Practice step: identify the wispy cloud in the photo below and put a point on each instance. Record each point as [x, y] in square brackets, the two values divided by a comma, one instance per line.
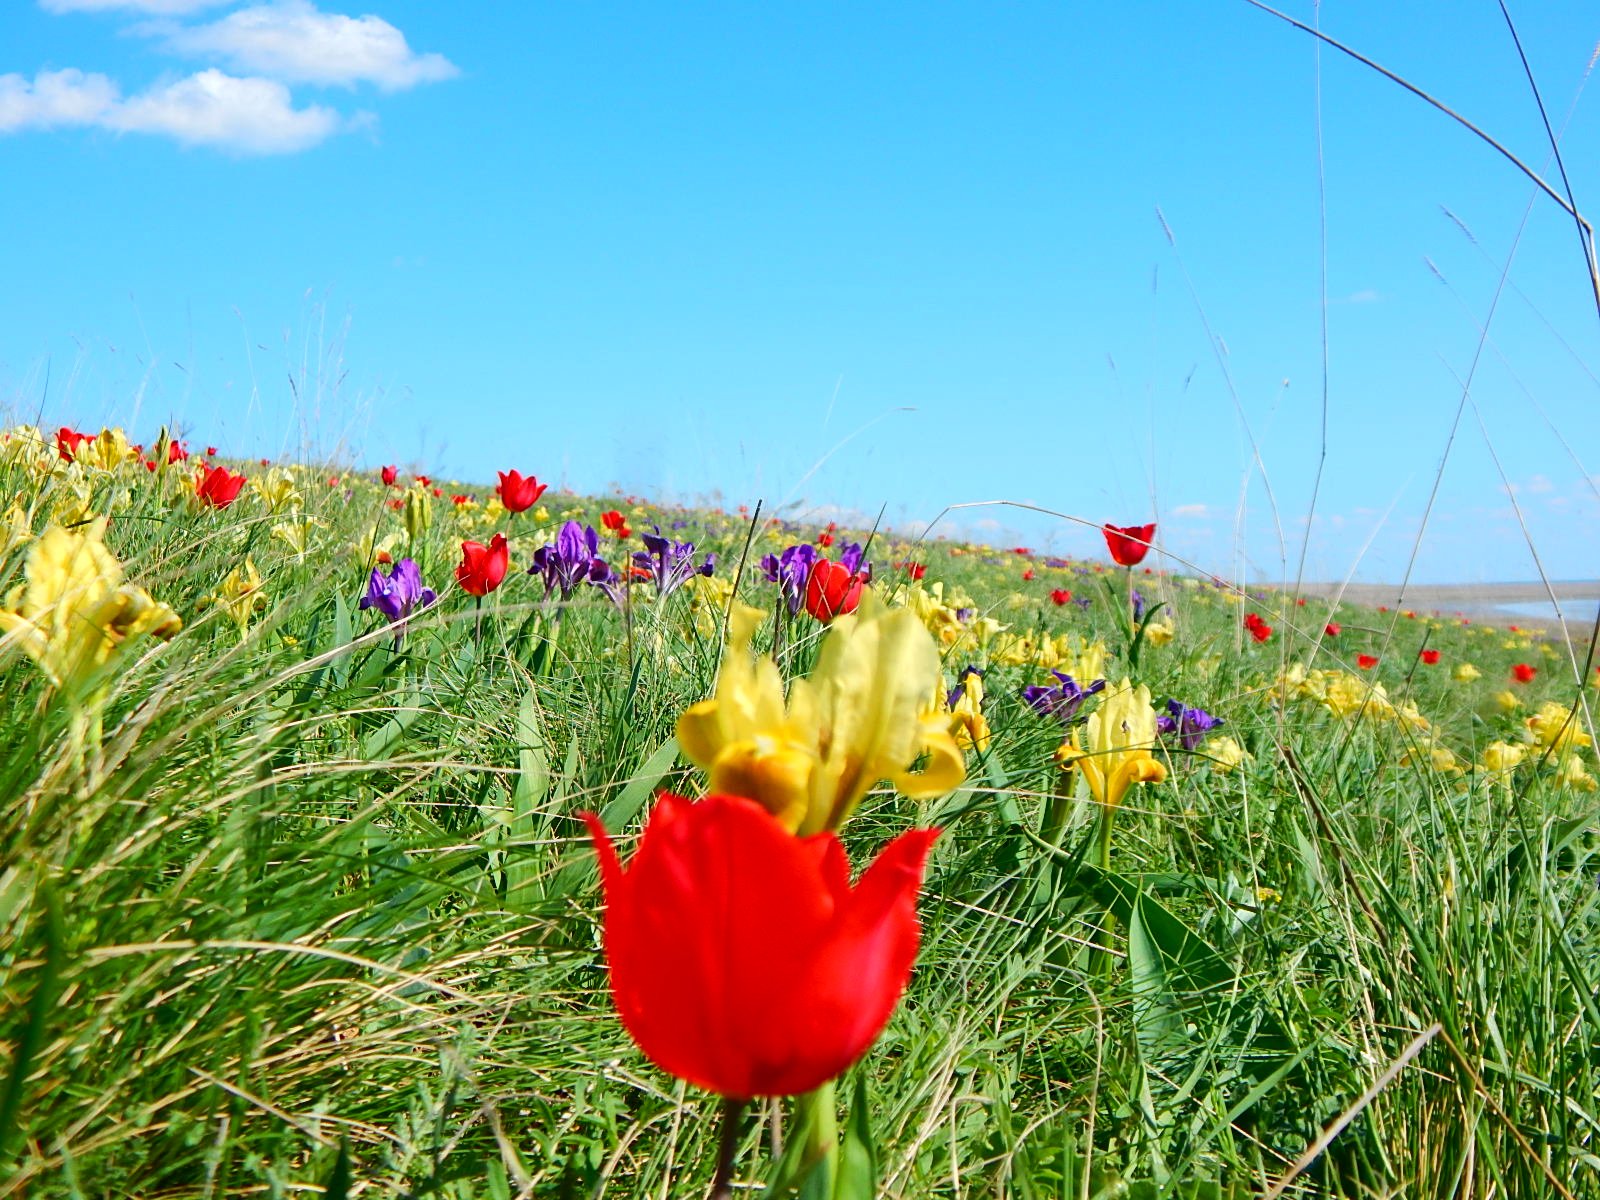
[293, 41]
[1191, 510]
[1364, 296]
[247, 116]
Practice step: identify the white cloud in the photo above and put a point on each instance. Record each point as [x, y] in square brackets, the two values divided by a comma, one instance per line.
[246, 116]
[292, 40]
[1540, 484]
[252, 116]
[1191, 510]
[160, 8]
[54, 98]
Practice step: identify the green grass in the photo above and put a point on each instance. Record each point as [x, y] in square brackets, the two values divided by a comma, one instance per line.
[311, 891]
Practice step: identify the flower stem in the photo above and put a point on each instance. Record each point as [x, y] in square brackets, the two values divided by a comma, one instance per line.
[727, 1147]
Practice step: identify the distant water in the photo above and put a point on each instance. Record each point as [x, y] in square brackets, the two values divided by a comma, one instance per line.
[1577, 612]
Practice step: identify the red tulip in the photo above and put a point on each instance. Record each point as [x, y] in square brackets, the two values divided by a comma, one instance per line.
[1366, 661]
[1129, 544]
[741, 959]
[211, 451]
[217, 487]
[824, 539]
[1060, 596]
[389, 475]
[519, 492]
[831, 590]
[1331, 629]
[68, 441]
[1523, 673]
[616, 523]
[424, 480]
[176, 452]
[1258, 628]
[1430, 657]
[1027, 576]
[483, 567]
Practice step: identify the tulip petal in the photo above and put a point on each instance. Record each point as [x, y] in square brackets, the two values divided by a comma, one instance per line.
[851, 986]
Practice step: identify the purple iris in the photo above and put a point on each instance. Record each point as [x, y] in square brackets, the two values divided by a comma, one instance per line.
[1189, 724]
[789, 571]
[399, 593]
[573, 560]
[1138, 605]
[670, 564]
[1061, 701]
[850, 556]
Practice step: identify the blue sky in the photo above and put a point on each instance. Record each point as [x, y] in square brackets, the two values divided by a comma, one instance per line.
[832, 257]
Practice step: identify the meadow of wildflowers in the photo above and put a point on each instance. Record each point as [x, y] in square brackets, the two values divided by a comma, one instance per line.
[369, 834]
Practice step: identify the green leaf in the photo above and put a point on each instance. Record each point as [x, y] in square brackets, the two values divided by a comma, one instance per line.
[27, 1039]
[641, 787]
[858, 1158]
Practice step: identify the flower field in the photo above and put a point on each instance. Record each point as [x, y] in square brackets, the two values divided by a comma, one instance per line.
[369, 834]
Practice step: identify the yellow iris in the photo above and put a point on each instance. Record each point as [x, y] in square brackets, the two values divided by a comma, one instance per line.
[866, 713]
[74, 615]
[1115, 752]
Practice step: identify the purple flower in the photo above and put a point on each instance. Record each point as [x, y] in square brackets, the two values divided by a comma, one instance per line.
[850, 559]
[670, 564]
[1061, 701]
[398, 594]
[573, 560]
[1082, 602]
[789, 571]
[1138, 604]
[1189, 724]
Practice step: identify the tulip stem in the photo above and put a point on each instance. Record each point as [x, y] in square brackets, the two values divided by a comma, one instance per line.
[727, 1147]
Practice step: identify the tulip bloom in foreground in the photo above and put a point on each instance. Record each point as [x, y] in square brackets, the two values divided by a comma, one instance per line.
[1129, 543]
[741, 958]
[483, 567]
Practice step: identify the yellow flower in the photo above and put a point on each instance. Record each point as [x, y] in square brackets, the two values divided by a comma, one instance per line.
[277, 490]
[1159, 633]
[15, 529]
[1465, 673]
[968, 725]
[1556, 727]
[1440, 758]
[1116, 752]
[107, 452]
[1572, 773]
[866, 713]
[1507, 701]
[241, 594]
[1499, 757]
[75, 614]
[708, 600]
[296, 533]
[1225, 753]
